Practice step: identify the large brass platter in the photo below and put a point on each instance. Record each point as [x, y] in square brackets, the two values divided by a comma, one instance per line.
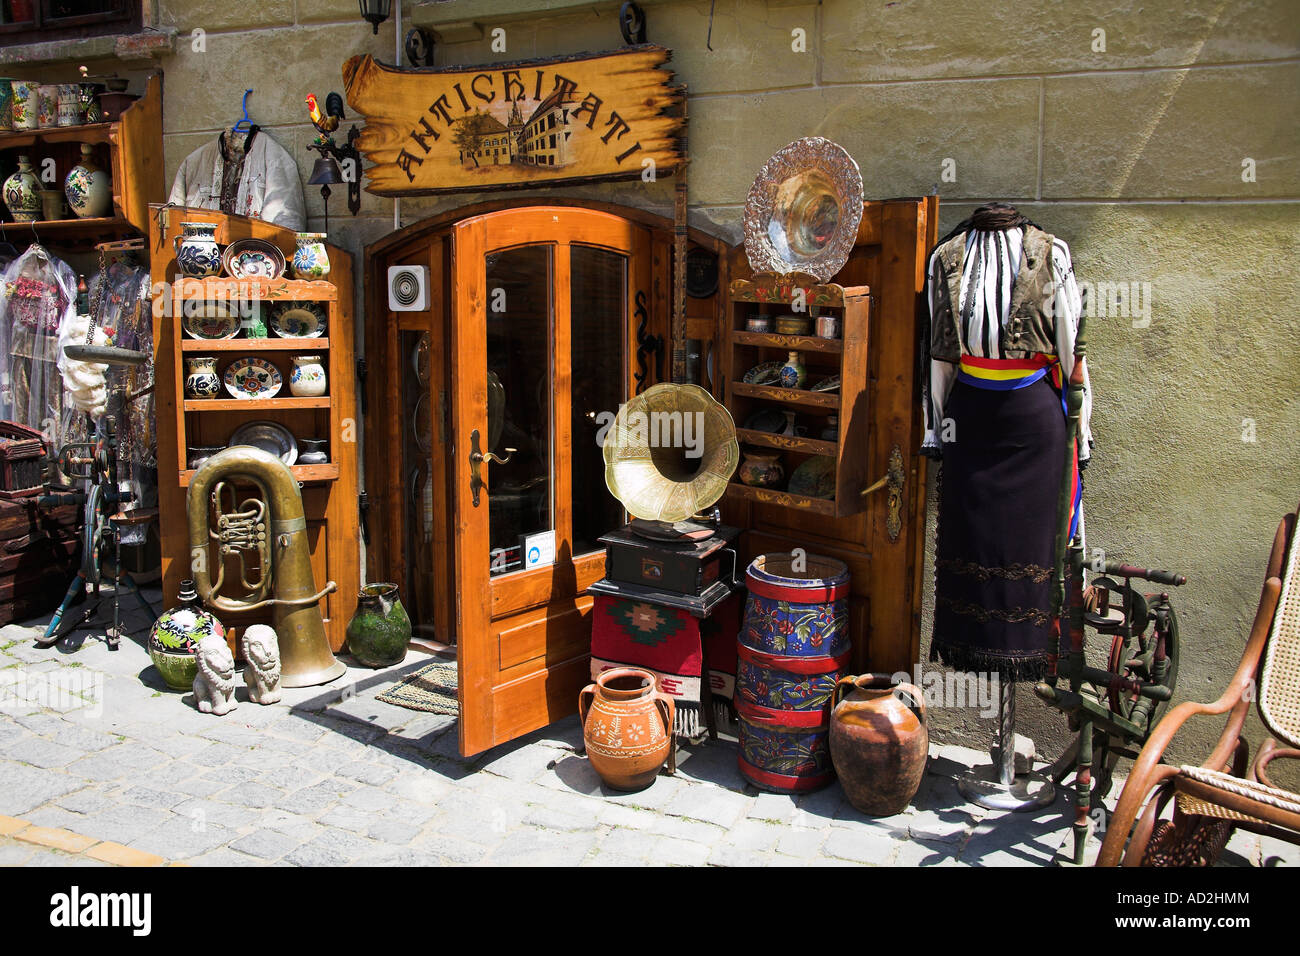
[803, 210]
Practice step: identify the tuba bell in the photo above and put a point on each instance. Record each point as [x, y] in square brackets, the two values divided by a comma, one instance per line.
[274, 527]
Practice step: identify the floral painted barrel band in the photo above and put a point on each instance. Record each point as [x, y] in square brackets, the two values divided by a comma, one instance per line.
[794, 665]
[787, 760]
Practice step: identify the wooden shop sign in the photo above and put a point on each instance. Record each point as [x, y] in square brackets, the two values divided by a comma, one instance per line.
[510, 125]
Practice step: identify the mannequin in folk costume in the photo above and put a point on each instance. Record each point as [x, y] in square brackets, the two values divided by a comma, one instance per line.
[1004, 310]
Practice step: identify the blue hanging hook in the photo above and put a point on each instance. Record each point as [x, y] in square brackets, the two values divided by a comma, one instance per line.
[244, 123]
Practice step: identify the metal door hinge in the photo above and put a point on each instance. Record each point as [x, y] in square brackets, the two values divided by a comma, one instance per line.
[363, 509]
[361, 383]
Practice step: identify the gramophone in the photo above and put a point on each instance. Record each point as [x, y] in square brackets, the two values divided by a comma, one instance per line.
[668, 457]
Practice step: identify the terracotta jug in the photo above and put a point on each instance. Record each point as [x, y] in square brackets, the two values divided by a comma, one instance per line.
[879, 742]
[627, 726]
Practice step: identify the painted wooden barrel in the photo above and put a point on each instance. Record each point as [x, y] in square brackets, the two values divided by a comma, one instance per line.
[792, 649]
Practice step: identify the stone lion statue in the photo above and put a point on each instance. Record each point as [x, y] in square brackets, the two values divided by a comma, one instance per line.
[214, 684]
[261, 650]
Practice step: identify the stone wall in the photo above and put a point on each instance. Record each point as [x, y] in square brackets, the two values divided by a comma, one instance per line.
[1163, 149]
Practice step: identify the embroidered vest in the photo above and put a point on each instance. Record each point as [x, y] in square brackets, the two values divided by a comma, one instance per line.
[1030, 327]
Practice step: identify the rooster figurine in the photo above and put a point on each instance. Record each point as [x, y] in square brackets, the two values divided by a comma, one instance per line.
[328, 121]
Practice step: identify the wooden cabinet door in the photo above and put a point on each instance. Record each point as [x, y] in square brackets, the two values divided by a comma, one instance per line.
[542, 317]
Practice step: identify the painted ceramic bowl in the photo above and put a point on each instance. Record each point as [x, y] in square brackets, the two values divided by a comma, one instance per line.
[298, 320]
[253, 259]
[253, 378]
[210, 320]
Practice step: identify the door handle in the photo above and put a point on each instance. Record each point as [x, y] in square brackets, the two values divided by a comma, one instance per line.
[477, 457]
[894, 479]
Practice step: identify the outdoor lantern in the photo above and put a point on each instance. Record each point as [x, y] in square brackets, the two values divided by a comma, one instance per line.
[375, 12]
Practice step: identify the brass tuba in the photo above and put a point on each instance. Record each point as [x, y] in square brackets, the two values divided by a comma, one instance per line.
[280, 541]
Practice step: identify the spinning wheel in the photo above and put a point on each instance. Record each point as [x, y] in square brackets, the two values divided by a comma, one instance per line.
[1144, 650]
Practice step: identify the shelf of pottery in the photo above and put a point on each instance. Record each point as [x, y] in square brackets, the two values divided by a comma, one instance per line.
[79, 161]
[796, 384]
[255, 351]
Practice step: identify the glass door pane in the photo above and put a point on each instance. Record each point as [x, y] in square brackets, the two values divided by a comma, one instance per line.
[598, 285]
[520, 319]
[419, 419]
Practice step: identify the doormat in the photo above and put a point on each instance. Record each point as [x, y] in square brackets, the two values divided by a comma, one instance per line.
[432, 688]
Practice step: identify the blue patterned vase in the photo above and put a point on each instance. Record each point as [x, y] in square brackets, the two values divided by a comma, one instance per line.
[197, 252]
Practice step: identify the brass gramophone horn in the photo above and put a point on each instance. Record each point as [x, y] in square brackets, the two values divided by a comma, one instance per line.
[274, 527]
[670, 452]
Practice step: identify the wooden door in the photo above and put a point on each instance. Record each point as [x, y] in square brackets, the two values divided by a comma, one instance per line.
[542, 317]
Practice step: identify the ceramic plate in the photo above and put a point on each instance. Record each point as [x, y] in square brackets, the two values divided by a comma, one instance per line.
[252, 378]
[215, 320]
[768, 373]
[765, 420]
[830, 383]
[253, 259]
[270, 437]
[803, 210]
[814, 478]
[298, 320]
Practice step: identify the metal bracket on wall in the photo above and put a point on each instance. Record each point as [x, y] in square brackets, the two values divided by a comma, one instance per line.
[894, 479]
[419, 47]
[631, 23]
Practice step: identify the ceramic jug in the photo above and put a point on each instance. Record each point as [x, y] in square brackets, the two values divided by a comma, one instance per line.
[627, 726]
[87, 187]
[23, 193]
[25, 109]
[880, 740]
[310, 260]
[793, 373]
[307, 380]
[311, 451]
[201, 379]
[176, 635]
[379, 631]
[761, 468]
[6, 103]
[197, 252]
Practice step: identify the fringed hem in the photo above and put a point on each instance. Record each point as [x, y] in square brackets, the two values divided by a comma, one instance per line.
[1015, 669]
[686, 718]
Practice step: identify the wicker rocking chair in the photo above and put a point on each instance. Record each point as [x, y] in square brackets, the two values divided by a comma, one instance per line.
[1226, 791]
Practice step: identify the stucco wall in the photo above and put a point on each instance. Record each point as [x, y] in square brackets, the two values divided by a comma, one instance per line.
[1133, 153]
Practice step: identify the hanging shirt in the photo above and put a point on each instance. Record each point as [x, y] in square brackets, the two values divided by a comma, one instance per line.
[990, 268]
[269, 187]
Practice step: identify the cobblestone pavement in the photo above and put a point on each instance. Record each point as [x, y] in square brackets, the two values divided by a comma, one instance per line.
[102, 764]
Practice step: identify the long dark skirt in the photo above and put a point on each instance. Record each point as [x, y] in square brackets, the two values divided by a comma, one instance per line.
[997, 530]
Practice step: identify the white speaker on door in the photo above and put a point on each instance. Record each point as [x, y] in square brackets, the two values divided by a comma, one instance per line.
[408, 288]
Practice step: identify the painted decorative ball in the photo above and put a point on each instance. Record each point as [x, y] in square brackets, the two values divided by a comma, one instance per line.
[175, 636]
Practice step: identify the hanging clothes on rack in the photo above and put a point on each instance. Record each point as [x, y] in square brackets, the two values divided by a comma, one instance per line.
[38, 293]
[244, 173]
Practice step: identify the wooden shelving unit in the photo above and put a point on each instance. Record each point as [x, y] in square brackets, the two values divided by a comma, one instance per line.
[845, 357]
[329, 490]
[129, 148]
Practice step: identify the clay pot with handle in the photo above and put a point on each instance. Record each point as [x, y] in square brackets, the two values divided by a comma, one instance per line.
[627, 727]
[879, 742]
